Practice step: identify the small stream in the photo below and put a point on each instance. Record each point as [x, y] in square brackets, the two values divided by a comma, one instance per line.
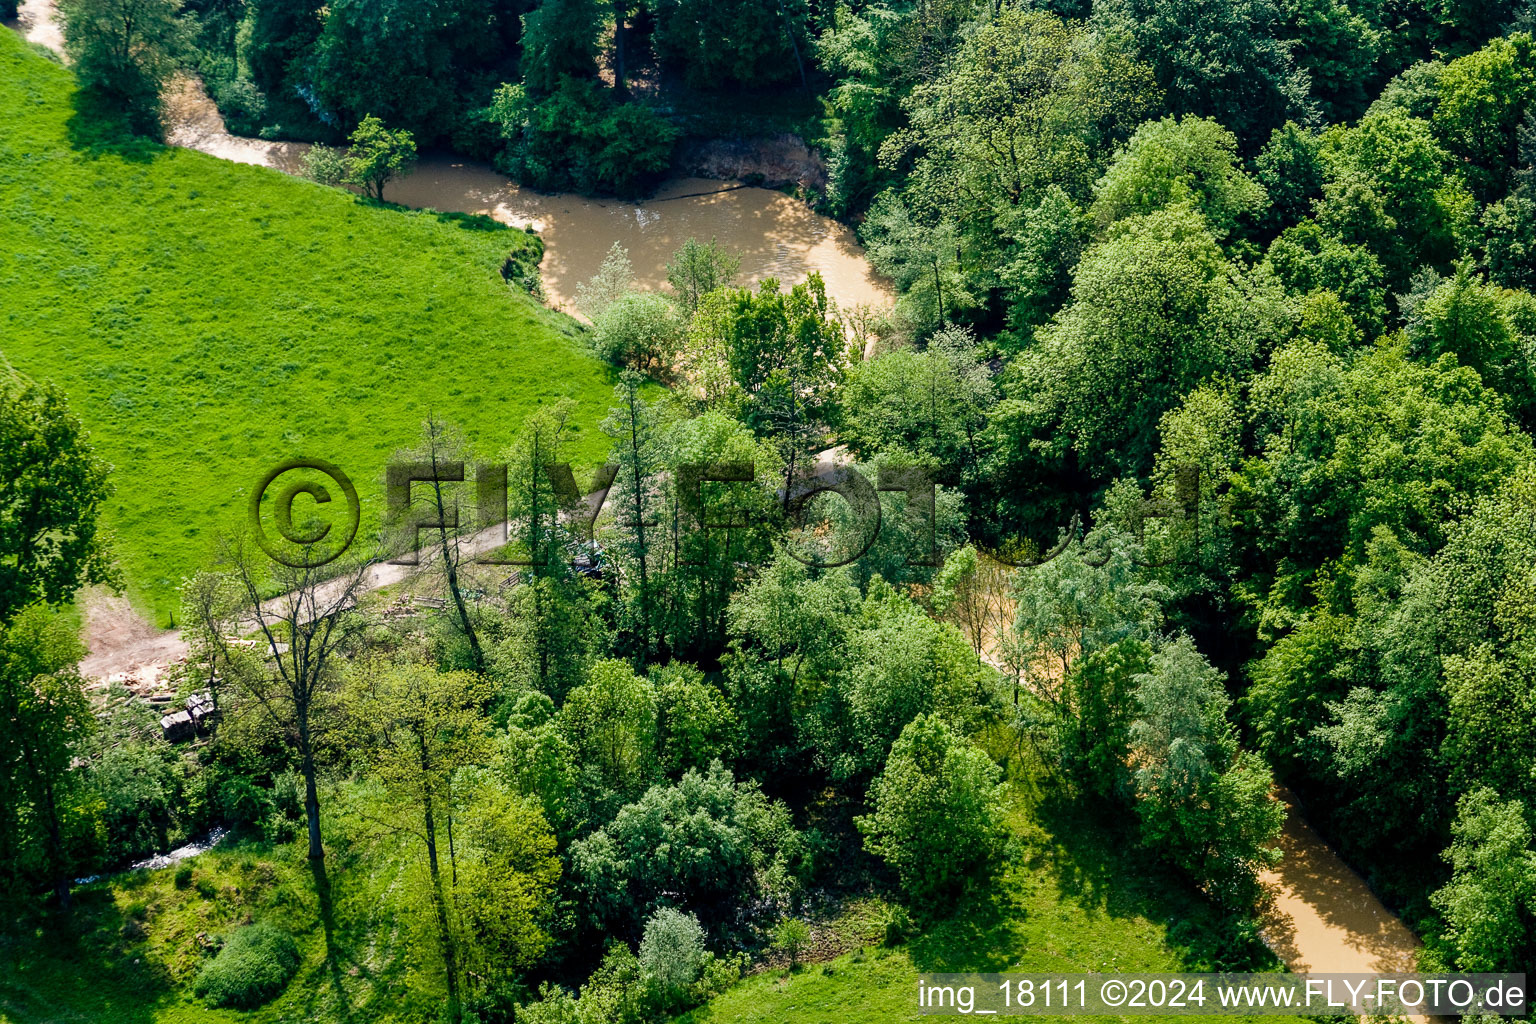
[165, 860]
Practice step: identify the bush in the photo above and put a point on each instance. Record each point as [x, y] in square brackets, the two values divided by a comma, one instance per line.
[243, 105]
[725, 844]
[183, 876]
[672, 952]
[898, 925]
[256, 963]
[790, 936]
[641, 331]
[325, 164]
[936, 812]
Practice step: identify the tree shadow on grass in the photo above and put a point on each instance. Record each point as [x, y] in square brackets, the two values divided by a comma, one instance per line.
[1098, 863]
[82, 963]
[99, 128]
[340, 962]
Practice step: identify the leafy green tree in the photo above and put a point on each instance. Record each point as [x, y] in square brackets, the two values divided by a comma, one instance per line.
[537, 761]
[52, 487]
[378, 155]
[1336, 45]
[1024, 101]
[973, 592]
[1490, 329]
[408, 65]
[1479, 582]
[1179, 162]
[695, 725]
[672, 953]
[278, 33]
[1509, 240]
[1490, 902]
[1156, 309]
[1307, 259]
[1290, 168]
[1483, 97]
[699, 268]
[434, 501]
[936, 813]
[1089, 602]
[303, 633]
[417, 727]
[43, 715]
[1203, 803]
[123, 51]
[875, 55]
[1048, 240]
[710, 527]
[725, 842]
[507, 871]
[578, 136]
[785, 351]
[1388, 189]
[932, 403]
[543, 540]
[610, 722]
[921, 259]
[1226, 59]
[900, 664]
[752, 43]
[1344, 448]
[559, 41]
[789, 634]
[639, 331]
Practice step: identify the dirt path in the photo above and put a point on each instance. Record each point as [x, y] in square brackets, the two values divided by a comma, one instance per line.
[1324, 917]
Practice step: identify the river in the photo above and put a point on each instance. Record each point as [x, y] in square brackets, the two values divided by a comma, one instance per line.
[1323, 917]
[775, 235]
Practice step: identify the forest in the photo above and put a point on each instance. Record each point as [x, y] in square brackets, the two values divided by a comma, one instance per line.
[1198, 433]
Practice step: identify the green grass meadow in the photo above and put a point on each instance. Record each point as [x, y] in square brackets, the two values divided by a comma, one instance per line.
[209, 319]
[1075, 897]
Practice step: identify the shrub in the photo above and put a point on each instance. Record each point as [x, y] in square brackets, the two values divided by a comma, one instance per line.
[898, 925]
[256, 963]
[672, 952]
[325, 164]
[725, 844]
[790, 936]
[642, 331]
[183, 876]
[936, 811]
[242, 104]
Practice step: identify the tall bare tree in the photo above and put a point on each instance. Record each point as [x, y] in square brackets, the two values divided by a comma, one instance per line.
[303, 630]
[431, 504]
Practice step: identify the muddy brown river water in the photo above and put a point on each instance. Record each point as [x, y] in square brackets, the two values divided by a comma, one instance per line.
[1322, 917]
[774, 234]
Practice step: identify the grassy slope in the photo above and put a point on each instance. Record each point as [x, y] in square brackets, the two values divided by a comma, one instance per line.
[129, 950]
[209, 319]
[1076, 900]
